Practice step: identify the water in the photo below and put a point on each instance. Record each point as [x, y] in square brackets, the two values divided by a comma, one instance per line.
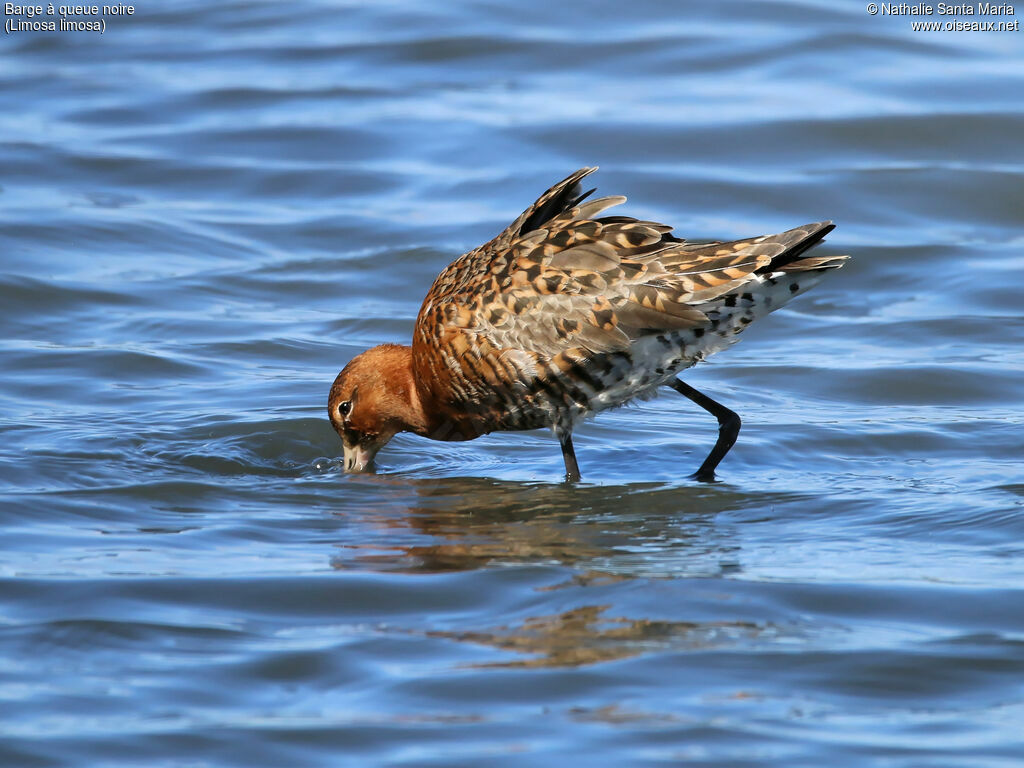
[207, 210]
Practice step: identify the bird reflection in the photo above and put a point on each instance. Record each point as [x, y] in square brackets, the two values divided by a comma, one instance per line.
[459, 524]
[585, 635]
[603, 536]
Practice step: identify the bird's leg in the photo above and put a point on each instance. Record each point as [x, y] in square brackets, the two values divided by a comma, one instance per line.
[728, 428]
[572, 469]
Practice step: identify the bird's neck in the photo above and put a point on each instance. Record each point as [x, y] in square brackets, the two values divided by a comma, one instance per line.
[407, 401]
[404, 401]
[412, 401]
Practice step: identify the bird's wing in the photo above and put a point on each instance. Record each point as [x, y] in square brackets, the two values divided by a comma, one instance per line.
[562, 278]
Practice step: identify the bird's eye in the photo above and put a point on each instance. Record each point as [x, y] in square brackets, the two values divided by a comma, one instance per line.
[344, 408]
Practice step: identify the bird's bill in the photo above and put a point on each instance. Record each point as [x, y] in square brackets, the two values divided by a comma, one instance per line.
[358, 458]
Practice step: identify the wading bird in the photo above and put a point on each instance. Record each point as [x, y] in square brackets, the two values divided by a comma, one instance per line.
[564, 314]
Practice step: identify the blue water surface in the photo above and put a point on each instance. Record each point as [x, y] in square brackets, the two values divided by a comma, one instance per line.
[208, 209]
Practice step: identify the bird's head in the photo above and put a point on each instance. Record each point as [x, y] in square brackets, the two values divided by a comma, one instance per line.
[373, 399]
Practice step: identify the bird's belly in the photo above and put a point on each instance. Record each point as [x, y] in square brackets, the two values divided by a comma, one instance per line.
[656, 359]
[653, 361]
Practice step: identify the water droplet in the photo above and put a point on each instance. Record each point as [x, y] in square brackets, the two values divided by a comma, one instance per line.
[322, 464]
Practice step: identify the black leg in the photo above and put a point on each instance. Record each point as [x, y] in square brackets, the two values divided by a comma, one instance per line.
[728, 428]
[572, 469]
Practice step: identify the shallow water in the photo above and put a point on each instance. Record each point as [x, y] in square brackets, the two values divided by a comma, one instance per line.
[205, 212]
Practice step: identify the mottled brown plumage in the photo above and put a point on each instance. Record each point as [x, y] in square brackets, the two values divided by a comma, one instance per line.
[563, 314]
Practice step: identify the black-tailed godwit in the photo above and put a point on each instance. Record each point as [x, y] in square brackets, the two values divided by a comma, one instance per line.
[564, 314]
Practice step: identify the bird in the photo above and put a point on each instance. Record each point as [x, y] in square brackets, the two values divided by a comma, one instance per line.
[566, 313]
